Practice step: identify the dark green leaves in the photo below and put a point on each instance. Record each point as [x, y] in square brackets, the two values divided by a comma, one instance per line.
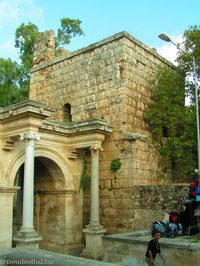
[24, 40]
[172, 123]
[12, 82]
[14, 77]
[69, 28]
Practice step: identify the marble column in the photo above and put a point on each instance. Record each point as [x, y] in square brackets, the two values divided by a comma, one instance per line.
[94, 187]
[94, 230]
[27, 236]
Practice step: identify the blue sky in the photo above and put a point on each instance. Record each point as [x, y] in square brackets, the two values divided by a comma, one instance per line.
[144, 19]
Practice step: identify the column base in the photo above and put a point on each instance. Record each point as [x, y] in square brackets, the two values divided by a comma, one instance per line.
[93, 235]
[27, 238]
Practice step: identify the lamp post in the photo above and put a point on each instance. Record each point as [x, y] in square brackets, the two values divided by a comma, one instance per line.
[163, 36]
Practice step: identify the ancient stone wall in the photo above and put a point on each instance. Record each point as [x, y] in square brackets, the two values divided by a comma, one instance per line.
[111, 80]
[130, 248]
[45, 51]
[130, 208]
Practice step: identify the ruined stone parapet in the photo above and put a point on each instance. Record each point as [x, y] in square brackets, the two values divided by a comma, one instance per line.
[44, 47]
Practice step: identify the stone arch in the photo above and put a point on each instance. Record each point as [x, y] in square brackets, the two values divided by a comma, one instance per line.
[60, 161]
[67, 114]
[53, 198]
[47, 175]
[41, 152]
[67, 104]
[14, 167]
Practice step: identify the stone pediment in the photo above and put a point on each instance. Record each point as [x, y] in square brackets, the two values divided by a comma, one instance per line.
[24, 109]
[20, 117]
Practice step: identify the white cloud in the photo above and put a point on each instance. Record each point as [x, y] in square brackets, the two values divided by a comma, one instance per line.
[169, 50]
[12, 14]
[18, 11]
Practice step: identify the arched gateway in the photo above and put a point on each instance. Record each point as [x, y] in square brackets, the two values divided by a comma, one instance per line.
[44, 168]
[54, 197]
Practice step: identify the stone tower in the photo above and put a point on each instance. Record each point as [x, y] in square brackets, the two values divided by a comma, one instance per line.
[85, 106]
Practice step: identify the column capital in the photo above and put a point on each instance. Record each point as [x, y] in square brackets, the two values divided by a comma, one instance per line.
[96, 147]
[30, 136]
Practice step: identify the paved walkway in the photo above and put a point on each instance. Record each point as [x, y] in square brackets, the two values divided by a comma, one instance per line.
[30, 257]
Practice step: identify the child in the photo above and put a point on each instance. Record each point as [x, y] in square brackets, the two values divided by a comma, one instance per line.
[152, 250]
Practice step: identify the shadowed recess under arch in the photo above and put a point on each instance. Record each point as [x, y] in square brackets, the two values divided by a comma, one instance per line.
[48, 175]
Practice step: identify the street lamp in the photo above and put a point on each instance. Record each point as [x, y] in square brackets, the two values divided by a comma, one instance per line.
[163, 36]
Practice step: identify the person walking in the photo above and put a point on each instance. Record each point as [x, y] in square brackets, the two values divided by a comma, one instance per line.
[153, 249]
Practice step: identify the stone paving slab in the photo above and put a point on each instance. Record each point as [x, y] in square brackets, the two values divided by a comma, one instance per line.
[30, 257]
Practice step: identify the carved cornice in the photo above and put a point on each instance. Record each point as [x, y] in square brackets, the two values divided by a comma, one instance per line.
[77, 128]
[27, 108]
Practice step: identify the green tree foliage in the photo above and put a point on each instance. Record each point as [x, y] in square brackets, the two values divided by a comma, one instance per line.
[69, 28]
[24, 40]
[12, 80]
[190, 44]
[166, 116]
[172, 123]
[26, 34]
[14, 77]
